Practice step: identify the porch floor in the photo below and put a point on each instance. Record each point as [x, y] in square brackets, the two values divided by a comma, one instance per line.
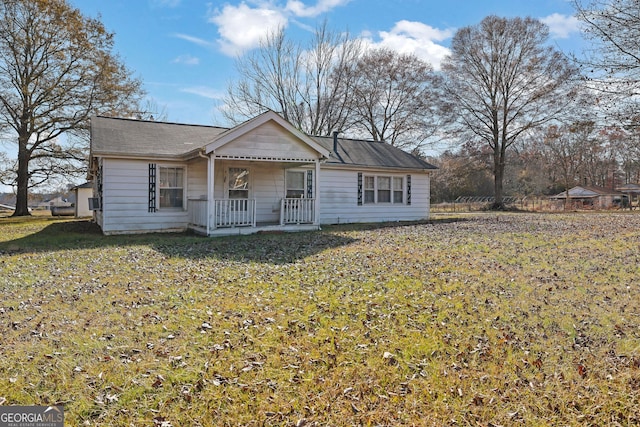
[261, 227]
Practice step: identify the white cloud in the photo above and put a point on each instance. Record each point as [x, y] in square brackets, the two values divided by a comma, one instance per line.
[204, 91]
[186, 60]
[416, 38]
[301, 10]
[242, 27]
[561, 26]
[195, 40]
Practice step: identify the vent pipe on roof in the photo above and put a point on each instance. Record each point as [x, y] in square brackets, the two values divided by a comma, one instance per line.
[335, 141]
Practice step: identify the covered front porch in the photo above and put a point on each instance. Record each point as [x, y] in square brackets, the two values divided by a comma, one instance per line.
[261, 176]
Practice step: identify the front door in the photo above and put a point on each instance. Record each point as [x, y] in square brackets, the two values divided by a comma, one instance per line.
[238, 188]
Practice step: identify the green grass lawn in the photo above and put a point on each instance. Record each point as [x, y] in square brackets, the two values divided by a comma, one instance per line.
[476, 320]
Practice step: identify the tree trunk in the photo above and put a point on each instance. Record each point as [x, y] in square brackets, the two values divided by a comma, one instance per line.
[22, 204]
[497, 187]
[498, 175]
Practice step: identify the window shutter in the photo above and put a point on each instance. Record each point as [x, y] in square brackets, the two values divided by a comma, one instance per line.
[309, 184]
[408, 189]
[152, 187]
[359, 188]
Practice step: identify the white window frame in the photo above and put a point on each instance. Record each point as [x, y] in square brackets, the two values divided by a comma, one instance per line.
[367, 179]
[159, 187]
[402, 190]
[393, 179]
[287, 183]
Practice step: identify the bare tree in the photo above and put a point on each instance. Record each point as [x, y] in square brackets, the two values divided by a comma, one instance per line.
[612, 61]
[268, 80]
[566, 150]
[306, 85]
[503, 80]
[394, 98]
[460, 173]
[56, 70]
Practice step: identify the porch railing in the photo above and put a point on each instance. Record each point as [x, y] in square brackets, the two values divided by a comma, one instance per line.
[234, 213]
[297, 211]
[197, 212]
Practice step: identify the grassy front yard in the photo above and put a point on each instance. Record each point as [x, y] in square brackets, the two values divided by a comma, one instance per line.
[487, 320]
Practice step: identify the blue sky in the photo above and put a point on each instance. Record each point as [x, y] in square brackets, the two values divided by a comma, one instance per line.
[184, 50]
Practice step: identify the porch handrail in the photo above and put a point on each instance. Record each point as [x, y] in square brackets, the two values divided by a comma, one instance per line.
[234, 213]
[297, 211]
[197, 212]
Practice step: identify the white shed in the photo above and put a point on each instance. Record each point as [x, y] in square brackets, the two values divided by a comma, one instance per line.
[83, 193]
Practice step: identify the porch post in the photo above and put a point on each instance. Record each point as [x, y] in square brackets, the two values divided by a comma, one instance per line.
[316, 215]
[210, 185]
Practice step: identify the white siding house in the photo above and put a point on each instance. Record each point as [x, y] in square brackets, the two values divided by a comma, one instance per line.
[261, 175]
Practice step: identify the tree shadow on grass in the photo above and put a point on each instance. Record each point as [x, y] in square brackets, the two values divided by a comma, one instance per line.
[264, 248]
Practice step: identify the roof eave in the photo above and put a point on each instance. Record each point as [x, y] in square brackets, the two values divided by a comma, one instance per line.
[374, 167]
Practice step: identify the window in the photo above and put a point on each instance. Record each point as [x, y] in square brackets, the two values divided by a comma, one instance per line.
[171, 187]
[398, 193]
[238, 183]
[295, 184]
[384, 189]
[369, 189]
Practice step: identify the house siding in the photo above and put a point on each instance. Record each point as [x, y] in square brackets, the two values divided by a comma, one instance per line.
[126, 191]
[339, 198]
[197, 179]
[268, 140]
[125, 200]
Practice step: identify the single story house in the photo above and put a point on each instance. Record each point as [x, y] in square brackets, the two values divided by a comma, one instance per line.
[592, 197]
[262, 175]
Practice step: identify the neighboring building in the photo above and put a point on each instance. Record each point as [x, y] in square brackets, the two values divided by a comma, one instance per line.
[83, 193]
[632, 191]
[591, 197]
[262, 175]
[54, 202]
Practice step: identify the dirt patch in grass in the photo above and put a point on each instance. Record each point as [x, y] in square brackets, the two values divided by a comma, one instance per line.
[497, 319]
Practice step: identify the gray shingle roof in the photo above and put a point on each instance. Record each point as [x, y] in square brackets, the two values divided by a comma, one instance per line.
[128, 137]
[585, 192]
[364, 153]
[139, 138]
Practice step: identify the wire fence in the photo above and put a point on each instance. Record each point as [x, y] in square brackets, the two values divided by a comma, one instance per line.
[481, 203]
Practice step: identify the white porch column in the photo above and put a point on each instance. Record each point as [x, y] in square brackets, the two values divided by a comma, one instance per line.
[210, 185]
[316, 219]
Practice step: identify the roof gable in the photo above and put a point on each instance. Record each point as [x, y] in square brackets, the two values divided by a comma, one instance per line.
[266, 136]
